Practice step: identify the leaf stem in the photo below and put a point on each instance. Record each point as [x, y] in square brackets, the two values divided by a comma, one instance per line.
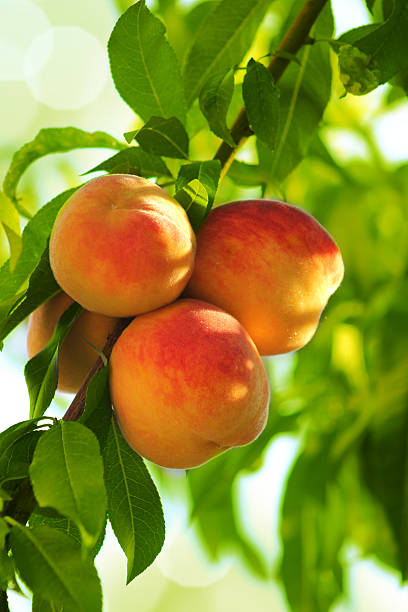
[77, 405]
[296, 37]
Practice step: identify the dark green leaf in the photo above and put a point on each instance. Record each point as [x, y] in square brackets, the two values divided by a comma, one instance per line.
[304, 94]
[51, 565]
[6, 564]
[98, 412]
[215, 98]
[144, 67]
[165, 137]
[52, 140]
[14, 463]
[221, 42]
[34, 242]
[196, 201]
[41, 372]
[10, 222]
[261, 97]
[384, 458]
[67, 474]
[42, 286]
[134, 160]
[134, 506]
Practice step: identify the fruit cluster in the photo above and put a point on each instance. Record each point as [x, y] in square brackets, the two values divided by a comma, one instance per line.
[186, 377]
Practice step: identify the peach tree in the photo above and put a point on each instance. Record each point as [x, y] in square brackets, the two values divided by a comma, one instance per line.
[61, 480]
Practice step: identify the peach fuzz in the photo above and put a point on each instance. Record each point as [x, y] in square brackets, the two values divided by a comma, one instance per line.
[76, 356]
[121, 246]
[271, 265]
[186, 384]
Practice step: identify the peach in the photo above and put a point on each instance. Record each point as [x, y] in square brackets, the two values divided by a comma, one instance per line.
[187, 383]
[271, 265]
[121, 246]
[76, 356]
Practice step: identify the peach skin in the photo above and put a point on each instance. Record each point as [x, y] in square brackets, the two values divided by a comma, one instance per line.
[187, 383]
[271, 265]
[76, 356]
[121, 246]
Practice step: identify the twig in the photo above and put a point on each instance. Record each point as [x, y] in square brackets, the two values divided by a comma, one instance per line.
[296, 37]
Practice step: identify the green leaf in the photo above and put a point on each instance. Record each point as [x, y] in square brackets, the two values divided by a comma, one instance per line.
[134, 507]
[375, 54]
[144, 67]
[11, 224]
[17, 444]
[215, 98]
[51, 565]
[41, 372]
[67, 474]
[248, 175]
[221, 42]
[134, 160]
[165, 137]
[41, 287]
[6, 564]
[261, 97]
[52, 140]
[15, 463]
[312, 531]
[48, 517]
[304, 94]
[384, 460]
[196, 187]
[34, 242]
[42, 605]
[97, 411]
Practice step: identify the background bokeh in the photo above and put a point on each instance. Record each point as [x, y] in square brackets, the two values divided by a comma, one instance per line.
[54, 72]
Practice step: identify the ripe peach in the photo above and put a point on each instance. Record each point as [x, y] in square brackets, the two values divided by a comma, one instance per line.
[76, 356]
[121, 246]
[271, 265]
[187, 383]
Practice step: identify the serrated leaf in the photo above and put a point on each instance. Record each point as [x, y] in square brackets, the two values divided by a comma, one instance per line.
[304, 94]
[134, 506]
[52, 140]
[134, 160]
[196, 186]
[41, 372]
[143, 65]
[34, 242]
[165, 137]
[215, 98]
[11, 224]
[97, 411]
[384, 463]
[51, 565]
[67, 474]
[221, 42]
[41, 287]
[261, 97]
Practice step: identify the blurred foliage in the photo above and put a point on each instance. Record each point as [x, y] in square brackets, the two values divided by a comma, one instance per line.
[346, 394]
